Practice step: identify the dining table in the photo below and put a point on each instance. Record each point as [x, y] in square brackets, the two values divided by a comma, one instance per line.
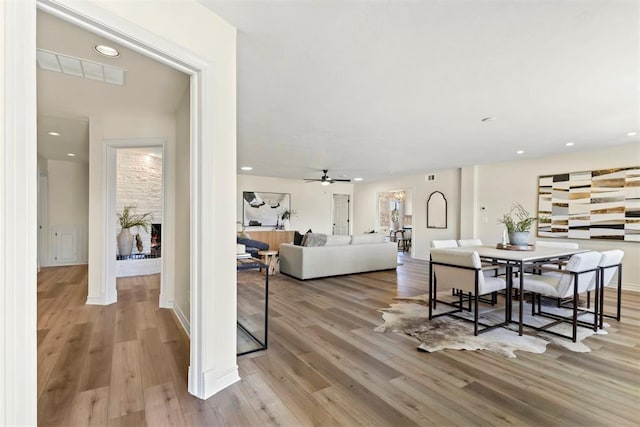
[515, 259]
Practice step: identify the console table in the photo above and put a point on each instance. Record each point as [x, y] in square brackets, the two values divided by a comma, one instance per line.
[244, 264]
[272, 237]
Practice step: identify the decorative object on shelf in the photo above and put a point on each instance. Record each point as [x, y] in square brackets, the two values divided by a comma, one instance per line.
[600, 204]
[436, 210]
[286, 218]
[518, 222]
[127, 220]
[139, 244]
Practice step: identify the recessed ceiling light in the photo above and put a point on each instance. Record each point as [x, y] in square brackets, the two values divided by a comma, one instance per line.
[53, 133]
[357, 179]
[632, 133]
[71, 155]
[489, 119]
[106, 51]
[570, 144]
[520, 152]
[246, 168]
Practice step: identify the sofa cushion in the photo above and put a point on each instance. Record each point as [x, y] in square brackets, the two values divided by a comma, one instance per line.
[314, 239]
[338, 240]
[363, 239]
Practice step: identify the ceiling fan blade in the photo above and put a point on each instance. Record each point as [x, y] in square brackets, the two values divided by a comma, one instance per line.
[341, 180]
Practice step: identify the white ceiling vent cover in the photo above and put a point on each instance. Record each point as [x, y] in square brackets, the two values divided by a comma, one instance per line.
[78, 67]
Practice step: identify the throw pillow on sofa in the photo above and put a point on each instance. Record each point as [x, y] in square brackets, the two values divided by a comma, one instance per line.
[315, 239]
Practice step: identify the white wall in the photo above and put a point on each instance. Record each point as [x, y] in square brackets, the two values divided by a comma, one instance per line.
[501, 184]
[182, 212]
[312, 201]
[69, 201]
[447, 182]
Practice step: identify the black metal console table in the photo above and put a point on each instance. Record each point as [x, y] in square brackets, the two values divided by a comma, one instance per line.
[243, 264]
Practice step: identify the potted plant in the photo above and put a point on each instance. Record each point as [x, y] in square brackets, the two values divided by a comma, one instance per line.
[128, 218]
[518, 222]
[286, 216]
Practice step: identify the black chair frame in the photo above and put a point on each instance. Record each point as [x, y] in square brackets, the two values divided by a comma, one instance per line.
[459, 304]
[573, 320]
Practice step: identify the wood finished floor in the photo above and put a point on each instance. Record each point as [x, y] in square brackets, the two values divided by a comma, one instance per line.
[126, 364]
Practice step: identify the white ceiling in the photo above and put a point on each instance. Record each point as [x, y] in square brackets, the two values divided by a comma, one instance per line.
[66, 102]
[368, 88]
[365, 88]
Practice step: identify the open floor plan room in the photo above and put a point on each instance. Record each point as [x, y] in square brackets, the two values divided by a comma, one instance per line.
[126, 364]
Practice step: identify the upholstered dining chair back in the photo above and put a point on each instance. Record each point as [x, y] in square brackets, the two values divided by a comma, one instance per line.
[585, 263]
[469, 242]
[444, 244]
[609, 258]
[460, 271]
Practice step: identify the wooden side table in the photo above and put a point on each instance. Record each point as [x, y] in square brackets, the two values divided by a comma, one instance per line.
[270, 258]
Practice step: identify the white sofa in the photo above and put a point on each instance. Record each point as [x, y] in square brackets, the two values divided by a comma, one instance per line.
[340, 255]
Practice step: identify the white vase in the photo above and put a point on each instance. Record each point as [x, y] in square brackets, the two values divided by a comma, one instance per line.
[125, 242]
[286, 224]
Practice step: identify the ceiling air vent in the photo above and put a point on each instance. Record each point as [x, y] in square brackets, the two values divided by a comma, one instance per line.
[78, 67]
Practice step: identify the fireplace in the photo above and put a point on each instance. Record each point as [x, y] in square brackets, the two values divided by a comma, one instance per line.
[156, 240]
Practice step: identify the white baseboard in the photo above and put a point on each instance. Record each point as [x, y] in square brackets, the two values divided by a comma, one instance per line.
[100, 301]
[165, 302]
[186, 325]
[216, 381]
[631, 287]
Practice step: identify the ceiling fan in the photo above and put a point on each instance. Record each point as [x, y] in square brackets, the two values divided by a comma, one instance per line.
[326, 179]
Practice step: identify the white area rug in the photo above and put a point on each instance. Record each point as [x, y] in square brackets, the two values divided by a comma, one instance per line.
[411, 317]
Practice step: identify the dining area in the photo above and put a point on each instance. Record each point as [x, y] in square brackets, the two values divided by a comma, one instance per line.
[535, 287]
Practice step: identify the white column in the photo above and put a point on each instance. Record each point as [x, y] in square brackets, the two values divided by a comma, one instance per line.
[18, 214]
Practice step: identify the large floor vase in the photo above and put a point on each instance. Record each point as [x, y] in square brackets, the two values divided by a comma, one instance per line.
[125, 242]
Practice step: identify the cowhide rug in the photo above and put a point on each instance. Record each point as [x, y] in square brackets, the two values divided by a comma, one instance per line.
[410, 316]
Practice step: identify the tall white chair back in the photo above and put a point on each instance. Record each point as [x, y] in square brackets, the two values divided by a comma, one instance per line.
[609, 258]
[579, 263]
[461, 271]
[469, 242]
[444, 244]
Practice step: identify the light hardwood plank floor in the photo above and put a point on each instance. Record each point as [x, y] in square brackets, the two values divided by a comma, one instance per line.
[126, 364]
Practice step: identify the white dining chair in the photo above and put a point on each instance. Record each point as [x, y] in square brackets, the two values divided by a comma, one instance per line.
[610, 265]
[469, 242]
[462, 270]
[444, 244]
[578, 276]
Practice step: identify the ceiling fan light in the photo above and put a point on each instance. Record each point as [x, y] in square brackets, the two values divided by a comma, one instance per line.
[325, 183]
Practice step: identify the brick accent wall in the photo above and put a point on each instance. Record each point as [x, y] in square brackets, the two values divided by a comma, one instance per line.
[139, 183]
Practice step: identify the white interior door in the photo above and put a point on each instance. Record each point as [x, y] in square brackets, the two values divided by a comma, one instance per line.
[341, 214]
